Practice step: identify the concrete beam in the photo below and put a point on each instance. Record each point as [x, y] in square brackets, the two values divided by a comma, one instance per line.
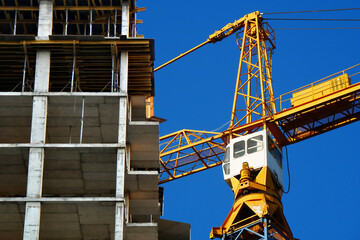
[63, 94]
[62, 145]
[62, 199]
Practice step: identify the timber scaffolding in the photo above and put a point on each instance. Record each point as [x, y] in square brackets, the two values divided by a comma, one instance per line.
[79, 158]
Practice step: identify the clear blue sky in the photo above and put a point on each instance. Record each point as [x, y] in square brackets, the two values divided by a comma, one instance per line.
[197, 92]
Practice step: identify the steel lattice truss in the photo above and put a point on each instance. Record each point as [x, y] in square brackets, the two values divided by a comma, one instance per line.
[188, 151]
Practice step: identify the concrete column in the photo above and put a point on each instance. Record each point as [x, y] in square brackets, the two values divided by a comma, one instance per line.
[35, 172]
[119, 221]
[124, 56]
[38, 125]
[125, 18]
[124, 62]
[32, 221]
[122, 120]
[120, 173]
[42, 71]
[121, 155]
[45, 19]
[120, 170]
[119, 206]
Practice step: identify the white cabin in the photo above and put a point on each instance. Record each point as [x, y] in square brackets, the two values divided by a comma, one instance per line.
[258, 150]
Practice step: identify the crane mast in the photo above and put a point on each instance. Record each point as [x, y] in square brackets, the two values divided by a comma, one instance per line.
[257, 183]
[254, 83]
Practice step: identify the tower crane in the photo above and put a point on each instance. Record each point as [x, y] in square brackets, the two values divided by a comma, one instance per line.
[250, 150]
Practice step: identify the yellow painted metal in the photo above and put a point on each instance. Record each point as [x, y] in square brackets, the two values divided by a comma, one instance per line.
[254, 199]
[175, 150]
[219, 35]
[319, 90]
[181, 55]
[284, 100]
[254, 83]
[317, 102]
[189, 151]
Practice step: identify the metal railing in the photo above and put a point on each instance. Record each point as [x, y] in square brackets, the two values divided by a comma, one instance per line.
[317, 89]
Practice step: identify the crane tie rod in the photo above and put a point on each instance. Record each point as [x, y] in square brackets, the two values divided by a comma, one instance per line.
[182, 55]
[313, 11]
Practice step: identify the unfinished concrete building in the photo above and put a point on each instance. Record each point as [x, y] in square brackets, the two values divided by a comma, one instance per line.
[78, 156]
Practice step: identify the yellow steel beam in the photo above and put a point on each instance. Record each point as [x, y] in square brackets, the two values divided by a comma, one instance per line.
[190, 144]
[182, 55]
[219, 35]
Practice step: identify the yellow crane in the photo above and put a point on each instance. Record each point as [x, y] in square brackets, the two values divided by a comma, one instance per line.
[250, 150]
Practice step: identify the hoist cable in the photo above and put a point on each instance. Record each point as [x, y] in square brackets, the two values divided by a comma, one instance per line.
[288, 169]
[312, 11]
[315, 19]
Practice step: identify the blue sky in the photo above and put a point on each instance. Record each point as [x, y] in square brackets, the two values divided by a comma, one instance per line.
[197, 92]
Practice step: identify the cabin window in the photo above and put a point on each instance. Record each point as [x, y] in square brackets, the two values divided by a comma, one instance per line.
[255, 144]
[226, 168]
[239, 149]
[274, 151]
[227, 155]
[226, 165]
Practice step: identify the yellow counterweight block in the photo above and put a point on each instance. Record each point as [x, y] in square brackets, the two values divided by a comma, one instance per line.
[257, 210]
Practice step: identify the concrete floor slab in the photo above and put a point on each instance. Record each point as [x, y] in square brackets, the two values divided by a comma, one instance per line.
[11, 220]
[171, 230]
[100, 119]
[13, 171]
[15, 121]
[141, 231]
[141, 181]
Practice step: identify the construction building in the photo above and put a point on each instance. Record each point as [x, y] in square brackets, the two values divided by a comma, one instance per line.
[79, 156]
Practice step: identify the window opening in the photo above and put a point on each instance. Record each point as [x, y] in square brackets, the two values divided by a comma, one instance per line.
[226, 161]
[274, 151]
[255, 144]
[227, 155]
[239, 149]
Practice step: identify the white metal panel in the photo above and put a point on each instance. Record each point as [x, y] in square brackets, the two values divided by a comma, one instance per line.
[255, 160]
